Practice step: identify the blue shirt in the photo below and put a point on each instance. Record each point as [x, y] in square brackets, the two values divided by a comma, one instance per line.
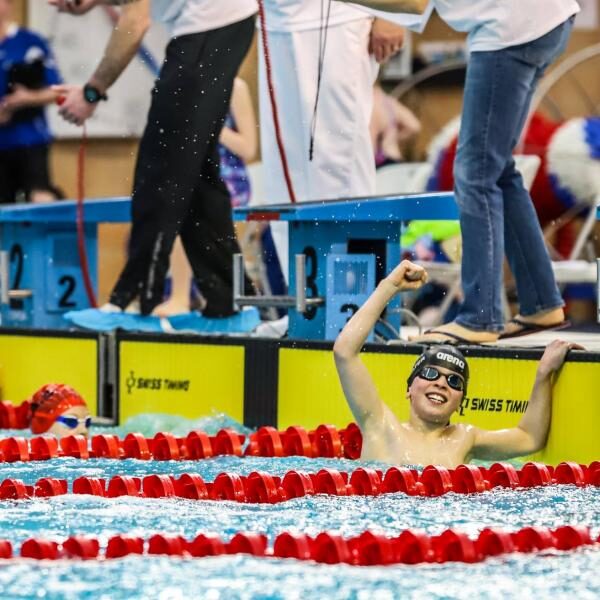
[26, 58]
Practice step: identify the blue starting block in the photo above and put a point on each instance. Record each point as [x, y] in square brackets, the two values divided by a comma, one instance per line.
[339, 251]
[40, 272]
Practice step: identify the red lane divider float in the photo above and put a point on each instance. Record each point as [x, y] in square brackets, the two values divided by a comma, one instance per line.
[367, 549]
[265, 488]
[13, 416]
[163, 446]
[324, 442]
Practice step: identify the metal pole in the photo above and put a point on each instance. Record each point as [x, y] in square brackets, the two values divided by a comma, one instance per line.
[301, 283]
[238, 279]
[4, 284]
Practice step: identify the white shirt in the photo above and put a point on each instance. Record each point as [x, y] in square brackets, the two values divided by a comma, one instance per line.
[183, 17]
[497, 24]
[300, 15]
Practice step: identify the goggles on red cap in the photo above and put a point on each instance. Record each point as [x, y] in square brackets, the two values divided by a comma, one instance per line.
[51, 401]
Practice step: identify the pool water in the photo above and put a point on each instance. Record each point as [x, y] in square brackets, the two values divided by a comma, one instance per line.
[551, 574]
[148, 424]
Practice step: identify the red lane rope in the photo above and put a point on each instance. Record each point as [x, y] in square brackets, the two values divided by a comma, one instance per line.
[274, 109]
[325, 441]
[83, 260]
[367, 549]
[264, 488]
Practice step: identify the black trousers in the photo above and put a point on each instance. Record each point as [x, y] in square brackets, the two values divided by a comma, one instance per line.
[177, 185]
[24, 169]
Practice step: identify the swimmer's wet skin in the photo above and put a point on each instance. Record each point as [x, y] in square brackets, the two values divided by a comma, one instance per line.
[436, 387]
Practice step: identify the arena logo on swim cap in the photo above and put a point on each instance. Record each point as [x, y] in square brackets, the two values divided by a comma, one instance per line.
[454, 360]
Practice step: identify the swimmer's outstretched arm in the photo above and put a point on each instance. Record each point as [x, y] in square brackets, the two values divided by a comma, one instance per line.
[394, 6]
[358, 386]
[531, 433]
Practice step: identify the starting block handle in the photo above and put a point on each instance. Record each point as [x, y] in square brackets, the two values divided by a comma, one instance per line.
[238, 279]
[4, 283]
[7, 294]
[300, 283]
[300, 302]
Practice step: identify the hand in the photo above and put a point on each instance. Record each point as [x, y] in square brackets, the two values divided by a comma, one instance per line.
[74, 7]
[18, 98]
[386, 39]
[407, 276]
[554, 357]
[5, 115]
[73, 106]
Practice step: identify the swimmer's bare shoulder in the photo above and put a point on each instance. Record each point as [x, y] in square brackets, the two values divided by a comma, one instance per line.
[383, 437]
[466, 435]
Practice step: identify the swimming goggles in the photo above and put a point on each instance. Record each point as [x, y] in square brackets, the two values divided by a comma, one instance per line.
[72, 422]
[455, 381]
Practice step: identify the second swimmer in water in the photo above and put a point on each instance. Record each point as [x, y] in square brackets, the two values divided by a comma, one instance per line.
[435, 388]
[59, 410]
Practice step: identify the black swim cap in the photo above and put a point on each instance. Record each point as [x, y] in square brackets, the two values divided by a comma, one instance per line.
[446, 356]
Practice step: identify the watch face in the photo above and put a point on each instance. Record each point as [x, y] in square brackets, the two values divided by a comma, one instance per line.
[91, 94]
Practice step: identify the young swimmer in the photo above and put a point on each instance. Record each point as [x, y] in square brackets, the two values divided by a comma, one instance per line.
[60, 410]
[436, 386]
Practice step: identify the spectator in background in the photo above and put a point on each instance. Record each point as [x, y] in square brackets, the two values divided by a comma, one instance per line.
[27, 70]
[392, 124]
[509, 53]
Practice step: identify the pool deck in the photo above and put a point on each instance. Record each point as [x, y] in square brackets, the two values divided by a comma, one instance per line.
[588, 337]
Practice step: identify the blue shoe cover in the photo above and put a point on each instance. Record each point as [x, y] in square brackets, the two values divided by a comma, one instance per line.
[242, 322]
[98, 320]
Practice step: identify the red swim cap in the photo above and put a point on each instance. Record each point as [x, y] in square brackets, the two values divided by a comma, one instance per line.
[51, 401]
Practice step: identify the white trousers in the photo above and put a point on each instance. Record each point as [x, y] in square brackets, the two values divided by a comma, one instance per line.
[343, 164]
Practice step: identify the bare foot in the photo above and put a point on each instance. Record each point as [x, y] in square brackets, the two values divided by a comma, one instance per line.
[453, 333]
[171, 308]
[133, 308]
[556, 316]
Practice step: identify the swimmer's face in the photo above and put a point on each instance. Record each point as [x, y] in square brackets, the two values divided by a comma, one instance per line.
[80, 413]
[434, 401]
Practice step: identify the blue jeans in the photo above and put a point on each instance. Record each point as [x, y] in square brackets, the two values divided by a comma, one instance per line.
[496, 212]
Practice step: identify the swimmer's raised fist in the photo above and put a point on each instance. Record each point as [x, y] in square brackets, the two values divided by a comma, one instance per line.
[554, 356]
[407, 276]
[74, 7]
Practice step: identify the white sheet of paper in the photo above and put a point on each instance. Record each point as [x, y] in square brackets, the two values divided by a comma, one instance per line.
[414, 22]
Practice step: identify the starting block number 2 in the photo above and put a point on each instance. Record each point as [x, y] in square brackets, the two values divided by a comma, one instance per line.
[59, 288]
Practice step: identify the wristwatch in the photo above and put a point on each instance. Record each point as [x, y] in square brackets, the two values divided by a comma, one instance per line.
[92, 94]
